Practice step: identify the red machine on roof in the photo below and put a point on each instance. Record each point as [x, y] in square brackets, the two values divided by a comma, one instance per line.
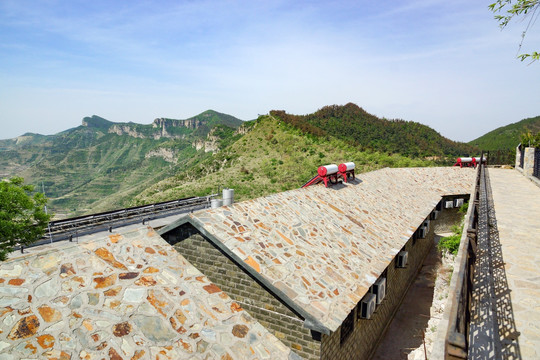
[331, 174]
[468, 162]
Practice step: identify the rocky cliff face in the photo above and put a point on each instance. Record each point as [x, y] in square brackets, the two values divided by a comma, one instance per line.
[161, 128]
[125, 130]
[211, 143]
[163, 123]
[167, 155]
[243, 130]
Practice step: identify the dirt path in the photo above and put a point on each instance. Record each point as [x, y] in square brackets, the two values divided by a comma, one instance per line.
[413, 317]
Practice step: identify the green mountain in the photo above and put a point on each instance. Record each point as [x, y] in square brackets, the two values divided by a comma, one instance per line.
[507, 137]
[280, 152]
[354, 125]
[101, 165]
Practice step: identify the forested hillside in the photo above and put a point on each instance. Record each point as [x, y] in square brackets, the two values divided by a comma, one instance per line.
[507, 137]
[102, 165]
[354, 125]
[272, 156]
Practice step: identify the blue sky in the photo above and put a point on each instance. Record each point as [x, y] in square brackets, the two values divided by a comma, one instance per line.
[443, 63]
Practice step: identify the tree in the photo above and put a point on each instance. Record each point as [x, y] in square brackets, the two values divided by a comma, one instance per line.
[510, 9]
[529, 139]
[23, 219]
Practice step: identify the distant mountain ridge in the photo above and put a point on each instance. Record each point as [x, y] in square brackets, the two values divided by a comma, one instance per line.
[290, 148]
[103, 165]
[199, 125]
[270, 156]
[100, 164]
[97, 122]
[507, 137]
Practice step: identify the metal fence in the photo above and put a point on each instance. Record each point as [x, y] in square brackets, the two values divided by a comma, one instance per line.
[457, 335]
[501, 157]
[68, 229]
[536, 169]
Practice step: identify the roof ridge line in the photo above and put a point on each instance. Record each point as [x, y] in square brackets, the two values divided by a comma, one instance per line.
[310, 321]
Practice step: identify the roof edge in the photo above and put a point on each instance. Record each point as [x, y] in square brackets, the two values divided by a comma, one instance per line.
[310, 321]
[178, 222]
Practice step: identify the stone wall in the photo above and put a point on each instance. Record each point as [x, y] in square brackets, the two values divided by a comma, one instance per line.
[447, 218]
[252, 297]
[528, 163]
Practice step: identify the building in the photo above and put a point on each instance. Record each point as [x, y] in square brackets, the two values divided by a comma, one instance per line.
[312, 264]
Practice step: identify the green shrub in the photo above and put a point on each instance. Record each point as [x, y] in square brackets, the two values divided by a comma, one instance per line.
[450, 243]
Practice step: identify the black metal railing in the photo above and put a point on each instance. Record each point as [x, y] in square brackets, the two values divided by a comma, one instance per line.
[457, 336]
[68, 229]
[501, 157]
[536, 168]
[522, 156]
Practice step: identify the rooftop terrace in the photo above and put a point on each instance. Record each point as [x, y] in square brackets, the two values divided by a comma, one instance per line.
[125, 296]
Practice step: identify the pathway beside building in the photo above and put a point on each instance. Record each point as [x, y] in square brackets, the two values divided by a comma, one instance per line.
[517, 209]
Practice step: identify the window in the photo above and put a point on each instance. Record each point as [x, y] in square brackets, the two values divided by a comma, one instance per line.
[347, 327]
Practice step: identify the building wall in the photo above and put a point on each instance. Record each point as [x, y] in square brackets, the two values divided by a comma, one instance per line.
[252, 297]
[367, 333]
[447, 218]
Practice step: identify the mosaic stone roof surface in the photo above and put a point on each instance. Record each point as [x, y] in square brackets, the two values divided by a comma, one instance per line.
[322, 248]
[128, 296]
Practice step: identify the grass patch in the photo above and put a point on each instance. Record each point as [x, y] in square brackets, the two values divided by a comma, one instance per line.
[451, 243]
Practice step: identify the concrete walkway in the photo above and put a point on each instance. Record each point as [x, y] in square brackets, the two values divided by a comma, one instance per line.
[517, 210]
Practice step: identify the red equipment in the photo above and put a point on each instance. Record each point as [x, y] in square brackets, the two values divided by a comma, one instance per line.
[468, 162]
[346, 170]
[331, 173]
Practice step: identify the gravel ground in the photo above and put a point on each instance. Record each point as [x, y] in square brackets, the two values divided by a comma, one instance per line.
[440, 293]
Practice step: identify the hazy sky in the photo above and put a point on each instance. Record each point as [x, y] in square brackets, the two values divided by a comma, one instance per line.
[443, 63]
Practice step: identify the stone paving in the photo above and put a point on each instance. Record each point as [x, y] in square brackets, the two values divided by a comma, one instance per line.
[124, 296]
[517, 209]
[322, 248]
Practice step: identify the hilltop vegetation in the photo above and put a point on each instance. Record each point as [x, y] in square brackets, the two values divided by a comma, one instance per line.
[273, 156]
[507, 137]
[354, 125]
[282, 151]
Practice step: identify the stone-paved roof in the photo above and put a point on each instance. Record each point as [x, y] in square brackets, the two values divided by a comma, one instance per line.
[128, 296]
[320, 249]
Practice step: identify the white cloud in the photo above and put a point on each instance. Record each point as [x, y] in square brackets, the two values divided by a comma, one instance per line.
[441, 63]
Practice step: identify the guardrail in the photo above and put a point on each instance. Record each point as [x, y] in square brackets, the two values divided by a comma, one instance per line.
[453, 336]
[66, 229]
[536, 168]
